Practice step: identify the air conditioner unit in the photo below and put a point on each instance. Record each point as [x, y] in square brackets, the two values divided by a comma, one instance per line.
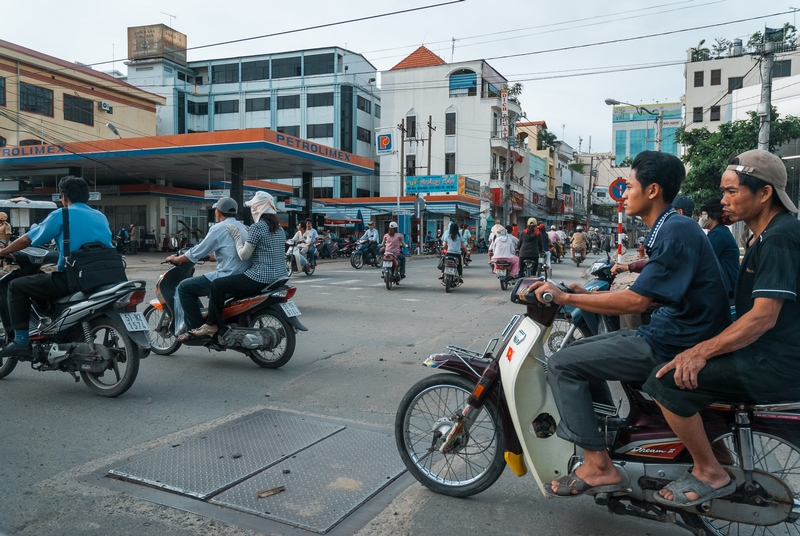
[104, 106]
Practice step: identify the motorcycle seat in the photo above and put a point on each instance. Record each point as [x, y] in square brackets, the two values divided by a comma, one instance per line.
[98, 292]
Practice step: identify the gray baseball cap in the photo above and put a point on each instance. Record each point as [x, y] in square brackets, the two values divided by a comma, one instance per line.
[767, 167]
[227, 206]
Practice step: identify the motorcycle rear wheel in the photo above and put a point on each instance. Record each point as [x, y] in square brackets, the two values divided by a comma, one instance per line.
[309, 268]
[425, 410]
[357, 260]
[388, 277]
[503, 284]
[125, 359]
[448, 283]
[281, 354]
[8, 364]
[160, 344]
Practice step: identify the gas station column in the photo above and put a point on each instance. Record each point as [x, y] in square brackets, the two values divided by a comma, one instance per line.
[237, 182]
[308, 194]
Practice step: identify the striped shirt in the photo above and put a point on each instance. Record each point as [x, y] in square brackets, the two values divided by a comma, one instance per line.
[268, 257]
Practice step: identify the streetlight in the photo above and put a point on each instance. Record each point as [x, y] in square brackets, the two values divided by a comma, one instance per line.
[113, 129]
[659, 118]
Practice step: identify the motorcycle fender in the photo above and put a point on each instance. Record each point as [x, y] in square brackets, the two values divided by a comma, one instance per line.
[296, 323]
[524, 376]
[138, 337]
[156, 304]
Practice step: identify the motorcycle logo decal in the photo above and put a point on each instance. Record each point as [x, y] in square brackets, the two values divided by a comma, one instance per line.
[510, 353]
[667, 450]
[519, 336]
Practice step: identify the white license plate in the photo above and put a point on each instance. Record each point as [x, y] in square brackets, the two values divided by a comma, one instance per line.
[290, 309]
[501, 273]
[134, 321]
[450, 271]
[387, 264]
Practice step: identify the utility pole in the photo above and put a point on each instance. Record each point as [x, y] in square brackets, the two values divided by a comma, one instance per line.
[431, 128]
[402, 128]
[765, 107]
[589, 190]
[506, 176]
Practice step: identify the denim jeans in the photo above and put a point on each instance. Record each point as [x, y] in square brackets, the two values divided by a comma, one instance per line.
[188, 294]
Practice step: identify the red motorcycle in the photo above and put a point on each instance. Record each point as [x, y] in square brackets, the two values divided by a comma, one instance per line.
[391, 270]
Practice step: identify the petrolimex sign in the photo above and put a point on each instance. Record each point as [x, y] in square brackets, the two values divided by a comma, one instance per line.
[384, 143]
[425, 184]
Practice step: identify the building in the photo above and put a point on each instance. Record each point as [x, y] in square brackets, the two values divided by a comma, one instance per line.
[327, 95]
[600, 171]
[634, 130]
[449, 117]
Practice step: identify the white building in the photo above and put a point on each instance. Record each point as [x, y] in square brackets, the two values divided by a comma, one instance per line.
[633, 130]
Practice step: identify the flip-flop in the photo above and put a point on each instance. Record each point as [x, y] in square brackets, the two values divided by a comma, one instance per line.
[690, 483]
[197, 334]
[566, 484]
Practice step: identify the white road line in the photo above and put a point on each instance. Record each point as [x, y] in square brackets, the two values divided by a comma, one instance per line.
[354, 288]
[315, 280]
[409, 299]
[348, 282]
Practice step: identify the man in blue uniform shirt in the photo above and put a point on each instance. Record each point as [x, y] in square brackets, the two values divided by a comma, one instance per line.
[85, 225]
[682, 274]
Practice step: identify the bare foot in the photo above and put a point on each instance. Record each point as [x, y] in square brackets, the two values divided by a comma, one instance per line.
[715, 479]
[594, 476]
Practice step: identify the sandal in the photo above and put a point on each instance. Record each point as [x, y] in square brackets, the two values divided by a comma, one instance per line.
[690, 483]
[203, 332]
[566, 484]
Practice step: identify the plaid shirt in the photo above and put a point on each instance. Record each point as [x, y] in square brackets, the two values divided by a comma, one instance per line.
[268, 259]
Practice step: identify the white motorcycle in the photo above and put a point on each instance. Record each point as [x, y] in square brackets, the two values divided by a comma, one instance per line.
[295, 260]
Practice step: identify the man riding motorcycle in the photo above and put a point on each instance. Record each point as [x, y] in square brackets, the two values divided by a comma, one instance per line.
[578, 241]
[393, 242]
[369, 249]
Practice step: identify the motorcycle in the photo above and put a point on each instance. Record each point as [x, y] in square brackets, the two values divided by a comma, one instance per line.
[345, 247]
[262, 327]
[362, 256]
[456, 431]
[98, 335]
[432, 248]
[296, 261]
[331, 253]
[502, 269]
[579, 255]
[450, 278]
[466, 257]
[391, 270]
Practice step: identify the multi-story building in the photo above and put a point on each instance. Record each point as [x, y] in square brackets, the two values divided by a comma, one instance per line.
[452, 116]
[327, 95]
[634, 130]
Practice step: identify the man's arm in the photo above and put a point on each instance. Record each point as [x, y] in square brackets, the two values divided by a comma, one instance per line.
[745, 331]
[604, 303]
[20, 243]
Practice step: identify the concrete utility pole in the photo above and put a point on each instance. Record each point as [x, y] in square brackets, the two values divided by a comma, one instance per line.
[506, 176]
[402, 127]
[765, 107]
[431, 128]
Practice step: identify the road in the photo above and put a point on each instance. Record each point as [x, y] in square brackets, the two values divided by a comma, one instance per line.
[362, 352]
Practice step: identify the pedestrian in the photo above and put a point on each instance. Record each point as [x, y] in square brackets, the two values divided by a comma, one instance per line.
[5, 229]
[134, 239]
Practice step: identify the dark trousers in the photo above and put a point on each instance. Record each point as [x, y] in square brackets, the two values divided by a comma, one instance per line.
[40, 286]
[189, 292]
[134, 247]
[222, 288]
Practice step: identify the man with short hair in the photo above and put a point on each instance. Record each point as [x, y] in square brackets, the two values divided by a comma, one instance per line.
[682, 274]
[369, 249]
[754, 359]
[218, 242]
[85, 225]
[684, 205]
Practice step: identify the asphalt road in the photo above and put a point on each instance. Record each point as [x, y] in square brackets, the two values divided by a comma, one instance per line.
[362, 352]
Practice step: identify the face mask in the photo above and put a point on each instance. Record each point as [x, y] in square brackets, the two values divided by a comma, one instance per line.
[704, 221]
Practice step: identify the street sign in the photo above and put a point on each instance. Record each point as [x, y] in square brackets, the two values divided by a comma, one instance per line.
[419, 204]
[616, 189]
[216, 194]
[384, 145]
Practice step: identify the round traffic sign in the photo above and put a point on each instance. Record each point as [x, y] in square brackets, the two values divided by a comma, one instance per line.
[616, 189]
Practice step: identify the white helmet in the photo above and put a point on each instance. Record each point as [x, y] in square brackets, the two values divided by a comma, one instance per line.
[579, 228]
[393, 225]
[552, 227]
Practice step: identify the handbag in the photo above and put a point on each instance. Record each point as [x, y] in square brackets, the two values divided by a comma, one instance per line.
[92, 265]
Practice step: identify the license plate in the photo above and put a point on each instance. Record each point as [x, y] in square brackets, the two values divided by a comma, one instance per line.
[501, 273]
[450, 271]
[387, 264]
[290, 309]
[134, 321]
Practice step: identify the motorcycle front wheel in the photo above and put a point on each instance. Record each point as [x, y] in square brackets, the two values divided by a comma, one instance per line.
[282, 353]
[124, 366]
[388, 278]
[309, 268]
[424, 417]
[560, 329]
[161, 343]
[8, 364]
[357, 260]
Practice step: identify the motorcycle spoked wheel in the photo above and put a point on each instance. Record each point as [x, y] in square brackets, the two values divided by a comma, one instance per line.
[424, 413]
[388, 278]
[309, 268]
[560, 328]
[283, 352]
[7, 364]
[160, 343]
[289, 267]
[357, 260]
[124, 366]
[779, 456]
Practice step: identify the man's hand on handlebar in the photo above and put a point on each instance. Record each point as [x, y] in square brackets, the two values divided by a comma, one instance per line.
[541, 287]
[619, 268]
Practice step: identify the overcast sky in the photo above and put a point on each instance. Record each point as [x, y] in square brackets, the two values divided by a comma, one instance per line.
[93, 31]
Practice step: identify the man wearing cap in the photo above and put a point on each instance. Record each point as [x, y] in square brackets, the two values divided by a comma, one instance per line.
[371, 245]
[754, 359]
[683, 205]
[219, 244]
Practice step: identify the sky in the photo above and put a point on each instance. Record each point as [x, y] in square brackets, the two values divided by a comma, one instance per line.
[551, 41]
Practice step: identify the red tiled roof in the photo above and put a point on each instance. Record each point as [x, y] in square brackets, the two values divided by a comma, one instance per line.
[532, 123]
[422, 57]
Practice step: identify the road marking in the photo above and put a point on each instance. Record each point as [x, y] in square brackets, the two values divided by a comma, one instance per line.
[354, 288]
[409, 299]
[315, 280]
[348, 282]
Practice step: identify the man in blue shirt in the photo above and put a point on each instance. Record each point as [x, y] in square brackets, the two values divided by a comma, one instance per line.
[722, 241]
[371, 245]
[682, 275]
[85, 225]
[218, 243]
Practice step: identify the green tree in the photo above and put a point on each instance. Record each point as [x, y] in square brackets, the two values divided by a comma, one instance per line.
[720, 47]
[707, 153]
[546, 139]
[700, 53]
[626, 162]
[788, 35]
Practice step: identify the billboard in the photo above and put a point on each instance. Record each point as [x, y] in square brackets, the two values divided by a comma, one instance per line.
[384, 143]
[156, 41]
[623, 114]
[424, 184]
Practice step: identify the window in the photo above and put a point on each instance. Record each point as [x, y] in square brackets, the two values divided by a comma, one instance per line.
[463, 83]
[35, 99]
[324, 192]
[378, 111]
[363, 104]
[292, 131]
[286, 67]
[255, 70]
[2, 141]
[716, 77]
[2, 91]
[450, 124]
[362, 134]
[620, 146]
[316, 100]
[411, 165]
[346, 119]
[782, 68]
[735, 82]
[259, 104]
[715, 113]
[78, 110]
[225, 74]
[319, 64]
[346, 186]
[698, 78]
[198, 108]
[411, 126]
[449, 163]
[29, 142]
[288, 102]
[182, 77]
[324, 130]
[697, 114]
[226, 107]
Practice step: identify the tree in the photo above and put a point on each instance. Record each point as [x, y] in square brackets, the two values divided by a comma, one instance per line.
[626, 162]
[720, 47]
[707, 153]
[788, 35]
[700, 53]
[546, 139]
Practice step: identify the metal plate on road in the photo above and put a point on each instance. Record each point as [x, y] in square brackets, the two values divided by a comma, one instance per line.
[290, 308]
[134, 321]
[205, 465]
[323, 483]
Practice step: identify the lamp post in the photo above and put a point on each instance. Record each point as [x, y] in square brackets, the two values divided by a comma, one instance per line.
[659, 118]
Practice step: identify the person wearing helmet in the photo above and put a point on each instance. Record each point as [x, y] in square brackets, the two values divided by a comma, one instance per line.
[394, 243]
[578, 241]
[545, 244]
[530, 243]
[555, 240]
[5, 229]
